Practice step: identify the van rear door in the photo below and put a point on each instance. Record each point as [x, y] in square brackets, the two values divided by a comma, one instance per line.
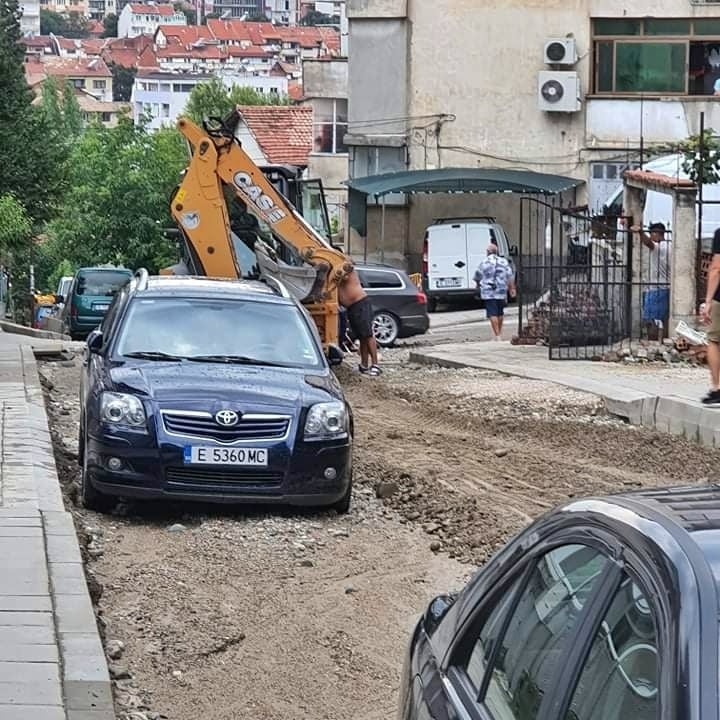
[447, 257]
[479, 236]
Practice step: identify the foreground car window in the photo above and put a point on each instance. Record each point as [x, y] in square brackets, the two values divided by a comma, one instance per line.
[220, 329]
[540, 630]
[619, 679]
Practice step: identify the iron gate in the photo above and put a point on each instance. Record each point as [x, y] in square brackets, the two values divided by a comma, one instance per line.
[587, 283]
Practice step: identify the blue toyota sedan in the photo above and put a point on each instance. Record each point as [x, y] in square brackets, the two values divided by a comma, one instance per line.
[211, 390]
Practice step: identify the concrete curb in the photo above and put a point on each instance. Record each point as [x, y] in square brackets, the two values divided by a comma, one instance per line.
[86, 684]
[31, 332]
[670, 414]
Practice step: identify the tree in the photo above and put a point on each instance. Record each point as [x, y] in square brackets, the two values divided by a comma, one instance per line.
[110, 26]
[315, 17]
[187, 10]
[702, 165]
[72, 25]
[214, 99]
[118, 200]
[15, 226]
[123, 79]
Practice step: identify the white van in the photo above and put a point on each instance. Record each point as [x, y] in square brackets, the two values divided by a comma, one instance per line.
[454, 247]
[658, 206]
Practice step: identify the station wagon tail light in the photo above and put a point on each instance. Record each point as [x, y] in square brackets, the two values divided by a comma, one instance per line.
[425, 256]
[327, 421]
[421, 298]
[121, 409]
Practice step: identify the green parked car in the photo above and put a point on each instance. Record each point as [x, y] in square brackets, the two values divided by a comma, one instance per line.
[91, 292]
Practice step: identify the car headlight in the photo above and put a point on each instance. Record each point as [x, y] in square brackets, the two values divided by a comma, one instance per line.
[327, 421]
[122, 409]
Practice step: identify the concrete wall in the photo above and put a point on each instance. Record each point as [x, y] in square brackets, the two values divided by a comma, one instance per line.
[325, 78]
[357, 9]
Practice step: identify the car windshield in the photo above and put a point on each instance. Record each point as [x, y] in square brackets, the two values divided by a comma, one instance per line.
[101, 283]
[218, 330]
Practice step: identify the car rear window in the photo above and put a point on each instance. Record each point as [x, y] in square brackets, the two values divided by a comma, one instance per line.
[380, 279]
[266, 332]
[101, 283]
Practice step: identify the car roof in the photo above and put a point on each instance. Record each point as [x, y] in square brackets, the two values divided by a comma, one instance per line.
[127, 271]
[194, 286]
[378, 266]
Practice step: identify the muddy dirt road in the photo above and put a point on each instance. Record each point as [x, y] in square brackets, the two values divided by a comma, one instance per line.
[228, 614]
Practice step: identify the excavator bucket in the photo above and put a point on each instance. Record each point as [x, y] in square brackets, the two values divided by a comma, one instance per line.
[299, 280]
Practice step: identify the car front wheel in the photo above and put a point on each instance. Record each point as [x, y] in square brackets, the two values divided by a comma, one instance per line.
[386, 328]
[91, 497]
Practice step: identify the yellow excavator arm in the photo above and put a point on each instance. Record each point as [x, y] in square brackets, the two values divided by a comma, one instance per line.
[200, 210]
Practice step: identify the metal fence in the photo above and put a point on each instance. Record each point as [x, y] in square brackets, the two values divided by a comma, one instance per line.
[587, 283]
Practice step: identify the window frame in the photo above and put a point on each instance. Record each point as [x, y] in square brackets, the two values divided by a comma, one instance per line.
[457, 681]
[383, 288]
[336, 141]
[643, 38]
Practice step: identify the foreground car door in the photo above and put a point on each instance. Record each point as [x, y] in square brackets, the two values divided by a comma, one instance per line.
[572, 636]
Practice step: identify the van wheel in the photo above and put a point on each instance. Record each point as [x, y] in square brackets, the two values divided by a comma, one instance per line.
[432, 304]
[386, 328]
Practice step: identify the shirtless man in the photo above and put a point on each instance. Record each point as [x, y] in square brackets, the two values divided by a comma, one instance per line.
[354, 299]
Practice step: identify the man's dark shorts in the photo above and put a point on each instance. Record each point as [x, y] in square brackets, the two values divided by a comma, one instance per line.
[495, 308]
[360, 317]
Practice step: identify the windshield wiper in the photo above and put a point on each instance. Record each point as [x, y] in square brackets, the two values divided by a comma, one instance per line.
[233, 360]
[153, 355]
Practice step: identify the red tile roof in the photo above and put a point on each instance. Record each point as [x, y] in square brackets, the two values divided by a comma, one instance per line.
[283, 132]
[162, 10]
[39, 41]
[92, 46]
[95, 27]
[121, 56]
[198, 52]
[268, 34]
[295, 92]
[94, 67]
[658, 179]
[185, 34]
[248, 52]
[148, 59]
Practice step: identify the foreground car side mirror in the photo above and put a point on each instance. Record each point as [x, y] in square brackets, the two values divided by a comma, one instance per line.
[514, 251]
[95, 341]
[335, 356]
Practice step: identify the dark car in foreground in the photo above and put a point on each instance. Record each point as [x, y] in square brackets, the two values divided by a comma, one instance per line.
[212, 390]
[399, 307]
[606, 609]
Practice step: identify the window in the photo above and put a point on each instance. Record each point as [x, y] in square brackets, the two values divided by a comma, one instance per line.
[153, 86]
[78, 83]
[540, 630]
[329, 126]
[165, 110]
[380, 279]
[98, 84]
[674, 56]
[155, 110]
[619, 678]
[106, 117]
[165, 87]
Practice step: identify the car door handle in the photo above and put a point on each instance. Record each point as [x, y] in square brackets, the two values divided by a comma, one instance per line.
[459, 264]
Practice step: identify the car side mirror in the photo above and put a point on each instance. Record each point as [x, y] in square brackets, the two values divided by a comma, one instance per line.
[335, 356]
[514, 251]
[95, 341]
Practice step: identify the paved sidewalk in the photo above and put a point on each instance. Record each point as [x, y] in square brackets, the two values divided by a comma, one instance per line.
[666, 398]
[52, 664]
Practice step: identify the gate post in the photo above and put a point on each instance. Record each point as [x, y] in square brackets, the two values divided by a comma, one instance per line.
[633, 202]
[683, 281]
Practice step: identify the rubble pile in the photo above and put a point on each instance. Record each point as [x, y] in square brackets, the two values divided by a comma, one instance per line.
[669, 351]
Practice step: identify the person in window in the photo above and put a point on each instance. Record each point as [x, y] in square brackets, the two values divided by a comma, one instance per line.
[711, 316]
[494, 278]
[656, 300]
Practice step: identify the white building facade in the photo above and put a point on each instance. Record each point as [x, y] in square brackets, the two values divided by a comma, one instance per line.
[30, 20]
[144, 19]
[561, 87]
[283, 12]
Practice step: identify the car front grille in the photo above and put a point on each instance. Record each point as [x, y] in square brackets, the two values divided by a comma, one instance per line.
[204, 426]
[194, 478]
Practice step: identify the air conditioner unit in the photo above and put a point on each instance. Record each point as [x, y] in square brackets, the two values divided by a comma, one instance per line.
[560, 51]
[559, 91]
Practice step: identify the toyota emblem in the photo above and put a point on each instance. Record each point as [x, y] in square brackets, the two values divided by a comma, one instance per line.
[227, 418]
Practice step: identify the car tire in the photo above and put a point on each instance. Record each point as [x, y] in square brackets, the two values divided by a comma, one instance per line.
[386, 328]
[432, 305]
[342, 506]
[90, 496]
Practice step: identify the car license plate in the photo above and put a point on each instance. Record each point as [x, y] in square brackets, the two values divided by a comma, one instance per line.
[101, 306]
[448, 282]
[202, 455]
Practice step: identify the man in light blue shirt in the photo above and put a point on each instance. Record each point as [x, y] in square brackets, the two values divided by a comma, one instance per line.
[494, 279]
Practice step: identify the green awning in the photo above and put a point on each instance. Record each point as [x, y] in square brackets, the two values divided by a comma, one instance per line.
[464, 180]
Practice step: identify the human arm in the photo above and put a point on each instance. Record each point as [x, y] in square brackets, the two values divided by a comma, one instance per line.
[512, 286]
[713, 282]
[646, 240]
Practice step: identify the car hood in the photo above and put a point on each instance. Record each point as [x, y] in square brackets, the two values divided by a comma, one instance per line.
[208, 382]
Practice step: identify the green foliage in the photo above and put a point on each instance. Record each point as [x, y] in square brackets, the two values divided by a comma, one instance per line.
[211, 16]
[15, 225]
[314, 17]
[187, 10]
[72, 25]
[123, 79]
[118, 198]
[257, 17]
[213, 99]
[702, 167]
[110, 26]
